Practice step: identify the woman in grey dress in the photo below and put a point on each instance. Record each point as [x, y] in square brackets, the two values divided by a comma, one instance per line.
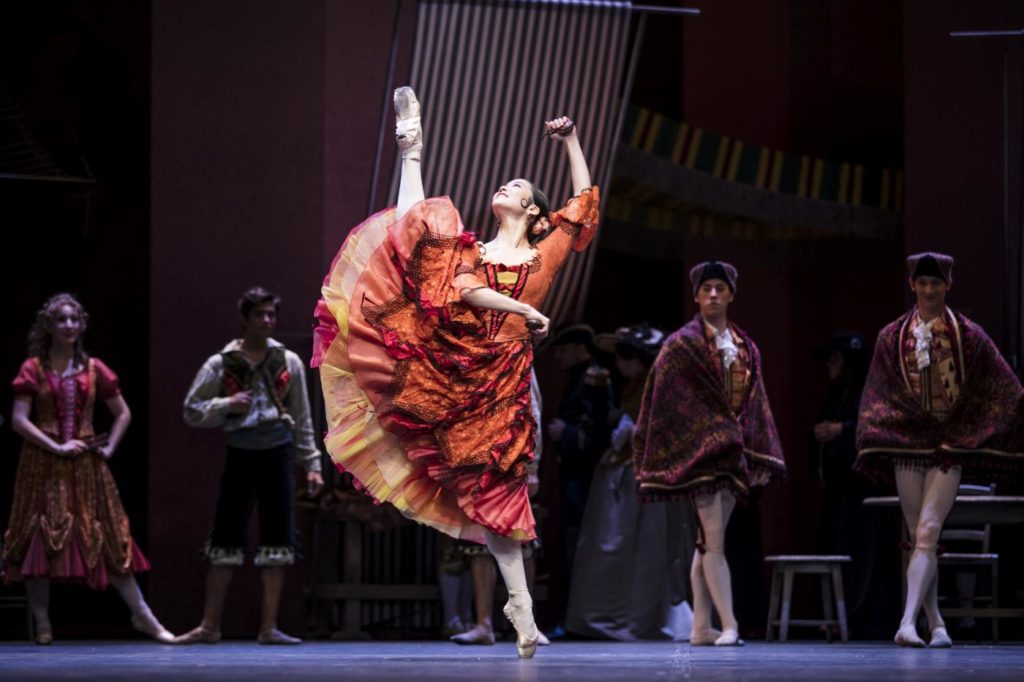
[629, 577]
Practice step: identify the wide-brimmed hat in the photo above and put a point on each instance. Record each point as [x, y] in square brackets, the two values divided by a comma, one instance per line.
[638, 340]
[574, 332]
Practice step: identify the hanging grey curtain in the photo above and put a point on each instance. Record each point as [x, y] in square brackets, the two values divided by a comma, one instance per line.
[489, 72]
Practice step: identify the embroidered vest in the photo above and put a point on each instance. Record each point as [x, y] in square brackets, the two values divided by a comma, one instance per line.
[239, 374]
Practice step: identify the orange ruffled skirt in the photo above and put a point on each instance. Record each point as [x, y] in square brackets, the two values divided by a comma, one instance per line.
[423, 410]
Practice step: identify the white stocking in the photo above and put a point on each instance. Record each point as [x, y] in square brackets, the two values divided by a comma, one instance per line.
[410, 185]
[508, 553]
[132, 595]
[926, 498]
[409, 135]
[701, 598]
[714, 511]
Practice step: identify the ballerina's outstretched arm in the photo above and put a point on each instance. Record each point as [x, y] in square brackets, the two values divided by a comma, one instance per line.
[409, 135]
[564, 130]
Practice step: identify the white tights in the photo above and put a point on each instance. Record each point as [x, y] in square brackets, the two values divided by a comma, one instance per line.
[709, 573]
[509, 555]
[926, 496]
[38, 591]
[410, 185]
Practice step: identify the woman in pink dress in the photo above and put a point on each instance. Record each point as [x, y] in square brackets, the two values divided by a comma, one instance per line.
[67, 522]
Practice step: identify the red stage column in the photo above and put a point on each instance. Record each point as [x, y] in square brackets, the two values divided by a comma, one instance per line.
[262, 118]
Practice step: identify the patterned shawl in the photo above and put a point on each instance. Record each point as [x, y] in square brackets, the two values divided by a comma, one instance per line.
[688, 439]
[984, 431]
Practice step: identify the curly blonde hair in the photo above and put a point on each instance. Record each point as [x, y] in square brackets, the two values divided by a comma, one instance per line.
[40, 337]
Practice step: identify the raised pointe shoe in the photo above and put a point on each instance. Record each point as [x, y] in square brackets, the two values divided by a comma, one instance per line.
[149, 625]
[705, 637]
[408, 131]
[907, 636]
[44, 637]
[275, 636]
[940, 638]
[520, 614]
[481, 634]
[729, 637]
[199, 635]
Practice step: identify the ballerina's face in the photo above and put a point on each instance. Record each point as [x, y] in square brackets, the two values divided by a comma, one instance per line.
[513, 199]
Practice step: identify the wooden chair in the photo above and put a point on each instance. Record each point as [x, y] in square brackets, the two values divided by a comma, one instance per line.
[982, 559]
[828, 568]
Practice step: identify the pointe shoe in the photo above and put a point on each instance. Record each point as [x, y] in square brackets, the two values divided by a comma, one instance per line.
[481, 634]
[704, 637]
[44, 637]
[199, 635]
[542, 639]
[520, 614]
[940, 638]
[729, 637]
[275, 636]
[149, 625]
[408, 131]
[907, 636]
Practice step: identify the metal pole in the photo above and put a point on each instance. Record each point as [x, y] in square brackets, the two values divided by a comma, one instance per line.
[385, 109]
[47, 178]
[627, 90]
[619, 4]
[653, 9]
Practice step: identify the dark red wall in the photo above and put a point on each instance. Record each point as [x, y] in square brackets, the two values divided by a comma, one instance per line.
[954, 151]
[262, 144]
[822, 79]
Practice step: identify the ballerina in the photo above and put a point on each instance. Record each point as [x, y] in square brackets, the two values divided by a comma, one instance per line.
[425, 345]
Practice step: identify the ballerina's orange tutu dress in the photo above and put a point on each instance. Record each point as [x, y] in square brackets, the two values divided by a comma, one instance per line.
[427, 397]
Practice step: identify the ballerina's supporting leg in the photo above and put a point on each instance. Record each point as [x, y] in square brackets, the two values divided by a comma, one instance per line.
[714, 511]
[925, 498]
[509, 555]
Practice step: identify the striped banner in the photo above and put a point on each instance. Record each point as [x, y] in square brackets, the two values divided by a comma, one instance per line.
[489, 73]
[775, 170]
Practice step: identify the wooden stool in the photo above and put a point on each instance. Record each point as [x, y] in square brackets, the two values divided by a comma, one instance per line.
[785, 567]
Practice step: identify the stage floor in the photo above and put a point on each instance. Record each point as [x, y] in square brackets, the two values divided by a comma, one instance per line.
[425, 661]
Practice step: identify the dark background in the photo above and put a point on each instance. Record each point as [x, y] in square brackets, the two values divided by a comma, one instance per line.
[232, 143]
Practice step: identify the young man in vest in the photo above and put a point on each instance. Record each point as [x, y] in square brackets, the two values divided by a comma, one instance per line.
[255, 389]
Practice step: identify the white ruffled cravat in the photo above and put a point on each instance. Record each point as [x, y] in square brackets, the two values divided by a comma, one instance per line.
[923, 344]
[725, 343]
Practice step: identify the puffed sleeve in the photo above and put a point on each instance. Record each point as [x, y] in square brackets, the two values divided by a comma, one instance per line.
[579, 217]
[572, 227]
[27, 380]
[466, 274]
[106, 381]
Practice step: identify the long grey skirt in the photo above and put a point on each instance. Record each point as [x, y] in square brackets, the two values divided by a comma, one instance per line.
[630, 579]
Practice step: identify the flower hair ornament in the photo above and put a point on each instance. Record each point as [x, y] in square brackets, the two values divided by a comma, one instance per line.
[540, 226]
